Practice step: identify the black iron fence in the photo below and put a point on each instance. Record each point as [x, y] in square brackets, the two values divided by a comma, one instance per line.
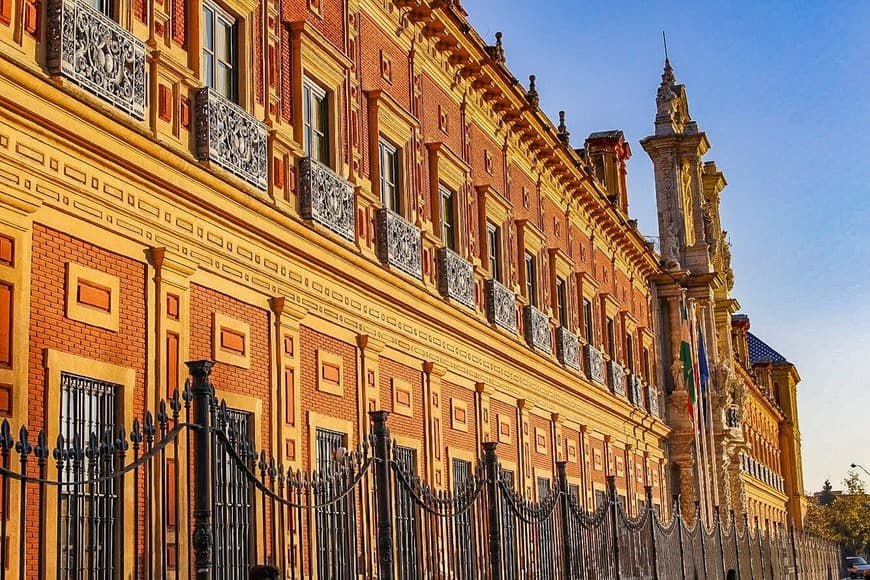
[187, 494]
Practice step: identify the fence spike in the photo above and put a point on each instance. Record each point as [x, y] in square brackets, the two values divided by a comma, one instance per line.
[148, 428]
[162, 418]
[121, 444]
[6, 440]
[187, 393]
[41, 450]
[60, 453]
[23, 447]
[175, 405]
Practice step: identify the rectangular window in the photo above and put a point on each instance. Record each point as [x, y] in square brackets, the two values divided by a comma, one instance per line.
[629, 352]
[391, 193]
[467, 556]
[531, 280]
[646, 366]
[562, 302]
[448, 229]
[106, 7]
[588, 319]
[600, 499]
[87, 407]
[315, 122]
[543, 485]
[219, 53]
[611, 339]
[332, 548]
[407, 517]
[493, 236]
[232, 500]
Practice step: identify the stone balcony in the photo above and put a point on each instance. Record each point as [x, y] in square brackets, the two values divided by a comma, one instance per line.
[97, 54]
[456, 277]
[501, 306]
[652, 400]
[616, 378]
[568, 348]
[399, 243]
[230, 137]
[537, 329]
[635, 390]
[593, 360]
[326, 198]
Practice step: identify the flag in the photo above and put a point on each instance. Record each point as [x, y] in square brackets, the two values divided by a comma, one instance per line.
[703, 368]
[686, 358]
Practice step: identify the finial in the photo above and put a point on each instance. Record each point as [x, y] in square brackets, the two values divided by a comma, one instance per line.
[563, 130]
[532, 93]
[496, 52]
[668, 77]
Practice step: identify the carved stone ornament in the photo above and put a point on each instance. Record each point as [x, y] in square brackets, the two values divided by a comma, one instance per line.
[399, 243]
[326, 198]
[501, 306]
[594, 362]
[616, 378]
[230, 137]
[635, 390]
[97, 54]
[652, 401]
[568, 348]
[456, 277]
[537, 327]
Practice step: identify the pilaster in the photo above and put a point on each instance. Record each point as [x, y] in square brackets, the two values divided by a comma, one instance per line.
[432, 376]
[287, 411]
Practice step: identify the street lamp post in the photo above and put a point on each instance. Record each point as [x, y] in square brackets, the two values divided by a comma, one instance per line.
[854, 465]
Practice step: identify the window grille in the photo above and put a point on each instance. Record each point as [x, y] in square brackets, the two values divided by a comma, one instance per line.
[231, 496]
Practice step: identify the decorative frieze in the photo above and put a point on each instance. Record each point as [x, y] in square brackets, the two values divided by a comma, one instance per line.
[501, 306]
[568, 348]
[456, 277]
[652, 400]
[97, 54]
[616, 377]
[326, 198]
[228, 136]
[537, 327]
[399, 243]
[593, 360]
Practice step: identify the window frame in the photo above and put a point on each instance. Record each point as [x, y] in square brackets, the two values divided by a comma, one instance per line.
[316, 97]
[447, 209]
[610, 335]
[530, 278]
[493, 250]
[588, 321]
[233, 22]
[561, 297]
[389, 155]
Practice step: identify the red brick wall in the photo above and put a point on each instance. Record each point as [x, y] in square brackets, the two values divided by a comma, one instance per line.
[179, 22]
[49, 328]
[453, 438]
[399, 424]
[374, 41]
[542, 461]
[253, 382]
[500, 409]
[344, 407]
[435, 99]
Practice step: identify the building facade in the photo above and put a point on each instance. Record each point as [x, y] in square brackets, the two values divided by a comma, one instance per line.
[350, 206]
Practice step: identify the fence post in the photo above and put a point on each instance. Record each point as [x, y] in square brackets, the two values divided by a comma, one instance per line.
[652, 531]
[702, 529]
[794, 556]
[614, 517]
[568, 547]
[490, 460]
[202, 529]
[383, 503]
[679, 515]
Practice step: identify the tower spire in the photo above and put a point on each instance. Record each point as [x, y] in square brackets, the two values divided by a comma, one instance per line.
[668, 77]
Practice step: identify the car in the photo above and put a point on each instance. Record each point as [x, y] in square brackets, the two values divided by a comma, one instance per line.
[857, 567]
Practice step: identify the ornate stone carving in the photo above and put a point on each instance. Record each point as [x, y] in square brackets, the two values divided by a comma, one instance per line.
[326, 198]
[537, 327]
[399, 243]
[567, 348]
[635, 390]
[594, 363]
[456, 277]
[652, 400]
[94, 52]
[230, 137]
[616, 377]
[501, 306]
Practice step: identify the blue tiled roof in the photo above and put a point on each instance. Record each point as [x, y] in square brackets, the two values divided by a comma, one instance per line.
[760, 352]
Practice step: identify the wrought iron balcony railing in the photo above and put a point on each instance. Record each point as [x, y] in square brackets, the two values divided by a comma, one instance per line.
[326, 198]
[568, 348]
[399, 243]
[228, 136]
[456, 277]
[635, 390]
[593, 360]
[537, 327]
[501, 306]
[97, 54]
[616, 377]
[652, 400]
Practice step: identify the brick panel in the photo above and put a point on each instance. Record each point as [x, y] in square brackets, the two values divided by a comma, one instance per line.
[541, 461]
[179, 22]
[373, 41]
[436, 101]
[453, 438]
[499, 410]
[400, 425]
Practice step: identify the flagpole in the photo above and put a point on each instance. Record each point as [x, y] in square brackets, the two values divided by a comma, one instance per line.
[712, 428]
[699, 458]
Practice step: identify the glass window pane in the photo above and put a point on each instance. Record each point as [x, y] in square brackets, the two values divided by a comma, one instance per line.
[208, 28]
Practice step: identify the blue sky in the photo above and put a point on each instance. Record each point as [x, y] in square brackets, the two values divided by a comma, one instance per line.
[782, 90]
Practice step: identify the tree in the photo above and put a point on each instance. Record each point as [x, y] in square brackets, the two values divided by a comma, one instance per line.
[846, 519]
[827, 496]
